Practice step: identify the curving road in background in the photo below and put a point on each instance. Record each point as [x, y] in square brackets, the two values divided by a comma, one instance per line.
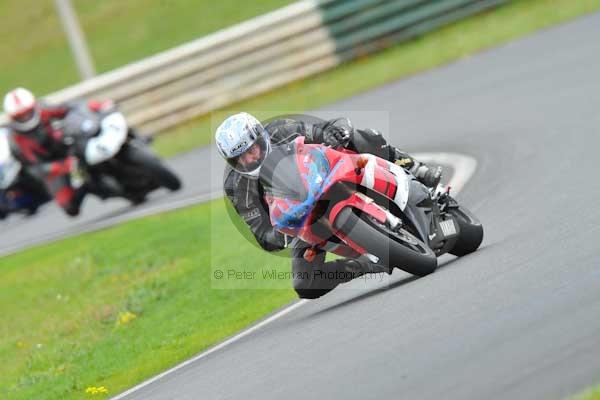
[199, 173]
[518, 319]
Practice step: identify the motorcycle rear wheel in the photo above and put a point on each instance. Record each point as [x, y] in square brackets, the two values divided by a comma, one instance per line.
[471, 232]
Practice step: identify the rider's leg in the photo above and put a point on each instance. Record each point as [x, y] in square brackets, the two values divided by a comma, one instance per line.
[315, 278]
[372, 141]
[67, 197]
[59, 185]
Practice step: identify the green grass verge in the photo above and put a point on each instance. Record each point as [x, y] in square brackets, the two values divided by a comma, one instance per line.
[588, 394]
[68, 307]
[515, 19]
[36, 54]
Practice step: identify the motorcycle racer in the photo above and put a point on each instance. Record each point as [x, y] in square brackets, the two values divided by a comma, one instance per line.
[41, 147]
[244, 143]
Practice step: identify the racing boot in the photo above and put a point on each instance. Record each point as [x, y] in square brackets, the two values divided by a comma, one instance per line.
[74, 206]
[428, 176]
[360, 267]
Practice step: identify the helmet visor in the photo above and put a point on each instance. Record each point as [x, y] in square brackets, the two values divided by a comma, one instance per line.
[25, 115]
[250, 161]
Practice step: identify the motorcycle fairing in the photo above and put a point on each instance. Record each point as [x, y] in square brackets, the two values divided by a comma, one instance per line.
[108, 142]
[296, 176]
[378, 173]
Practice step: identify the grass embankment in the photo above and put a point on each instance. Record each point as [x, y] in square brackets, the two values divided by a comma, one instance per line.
[512, 20]
[588, 394]
[111, 308]
[35, 52]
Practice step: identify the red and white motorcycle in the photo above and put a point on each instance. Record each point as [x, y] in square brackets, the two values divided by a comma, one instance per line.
[360, 205]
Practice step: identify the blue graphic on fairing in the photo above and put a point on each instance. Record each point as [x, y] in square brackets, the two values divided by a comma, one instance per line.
[317, 179]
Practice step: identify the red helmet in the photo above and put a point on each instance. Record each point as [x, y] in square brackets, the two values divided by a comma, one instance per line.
[21, 107]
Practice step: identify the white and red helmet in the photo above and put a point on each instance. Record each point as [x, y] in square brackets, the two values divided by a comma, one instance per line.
[22, 108]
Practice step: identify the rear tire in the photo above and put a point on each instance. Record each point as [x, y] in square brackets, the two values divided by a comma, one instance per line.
[394, 249]
[471, 232]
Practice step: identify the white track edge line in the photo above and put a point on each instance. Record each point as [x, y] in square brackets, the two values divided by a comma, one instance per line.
[215, 348]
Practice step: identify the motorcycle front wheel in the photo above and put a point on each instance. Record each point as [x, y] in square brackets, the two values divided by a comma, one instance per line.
[150, 163]
[399, 248]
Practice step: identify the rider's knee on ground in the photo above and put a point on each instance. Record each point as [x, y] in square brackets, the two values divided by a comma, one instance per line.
[69, 200]
[306, 286]
[309, 293]
[72, 210]
[306, 282]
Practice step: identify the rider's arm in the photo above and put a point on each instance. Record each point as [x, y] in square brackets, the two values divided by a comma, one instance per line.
[101, 106]
[266, 236]
[362, 141]
[285, 130]
[54, 112]
[248, 205]
[59, 111]
[373, 142]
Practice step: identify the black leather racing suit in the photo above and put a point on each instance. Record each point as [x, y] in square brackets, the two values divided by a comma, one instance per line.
[310, 279]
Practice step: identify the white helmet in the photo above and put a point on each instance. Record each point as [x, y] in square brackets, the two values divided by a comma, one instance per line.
[244, 143]
[21, 107]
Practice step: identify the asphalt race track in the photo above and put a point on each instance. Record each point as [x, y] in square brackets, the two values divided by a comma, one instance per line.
[18, 232]
[516, 320]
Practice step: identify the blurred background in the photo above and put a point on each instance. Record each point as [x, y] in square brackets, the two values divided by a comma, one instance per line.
[36, 54]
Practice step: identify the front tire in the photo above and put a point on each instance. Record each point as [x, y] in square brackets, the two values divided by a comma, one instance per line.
[145, 159]
[166, 177]
[394, 249]
[471, 232]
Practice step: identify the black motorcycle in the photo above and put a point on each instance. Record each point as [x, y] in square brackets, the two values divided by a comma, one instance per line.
[114, 161]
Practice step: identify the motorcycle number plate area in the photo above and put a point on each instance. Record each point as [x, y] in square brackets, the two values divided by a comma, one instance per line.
[448, 227]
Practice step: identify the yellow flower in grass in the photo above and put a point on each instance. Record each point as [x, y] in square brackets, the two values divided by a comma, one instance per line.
[93, 390]
[125, 317]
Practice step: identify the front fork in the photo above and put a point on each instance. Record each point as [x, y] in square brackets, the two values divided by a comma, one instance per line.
[444, 231]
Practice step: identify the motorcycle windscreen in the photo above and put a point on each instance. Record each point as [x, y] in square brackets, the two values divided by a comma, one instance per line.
[293, 183]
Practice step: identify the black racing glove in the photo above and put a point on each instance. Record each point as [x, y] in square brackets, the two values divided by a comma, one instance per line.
[335, 136]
